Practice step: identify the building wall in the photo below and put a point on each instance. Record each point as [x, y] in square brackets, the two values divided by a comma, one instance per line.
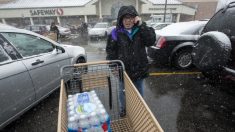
[199, 0]
[5, 1]
[112, 6]
[91, 12]
[205, 9]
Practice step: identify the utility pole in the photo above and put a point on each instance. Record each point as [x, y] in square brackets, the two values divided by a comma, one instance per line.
[164, 20]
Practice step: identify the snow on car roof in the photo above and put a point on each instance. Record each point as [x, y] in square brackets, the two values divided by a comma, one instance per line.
[44, 3]
[163, 1]
[4, 26]
[8, 28]
[222, 3]
[181, 27]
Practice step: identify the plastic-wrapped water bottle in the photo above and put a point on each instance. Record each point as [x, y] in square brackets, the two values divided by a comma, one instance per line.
[105, 120]
[98, 101]
[92, 93]
[84, 125]
[95, 98]
[99, 104]
[95, 123]
[103, 116]
[71, 113]
[70, 107]
[72, 124]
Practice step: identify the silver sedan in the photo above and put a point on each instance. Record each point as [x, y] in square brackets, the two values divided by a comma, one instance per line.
[30, 69]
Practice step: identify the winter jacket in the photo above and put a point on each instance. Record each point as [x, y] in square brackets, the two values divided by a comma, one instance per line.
[130, 47]
[54, 29]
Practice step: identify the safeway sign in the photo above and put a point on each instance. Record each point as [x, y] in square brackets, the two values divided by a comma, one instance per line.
[47, 12]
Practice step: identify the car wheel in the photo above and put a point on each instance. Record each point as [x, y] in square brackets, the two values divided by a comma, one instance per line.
[212, 51]
[183, 59]
[82, 60]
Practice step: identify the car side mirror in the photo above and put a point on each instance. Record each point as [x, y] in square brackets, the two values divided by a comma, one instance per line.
[58, 48]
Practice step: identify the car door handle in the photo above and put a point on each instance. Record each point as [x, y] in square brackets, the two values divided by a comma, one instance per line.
[38, 61]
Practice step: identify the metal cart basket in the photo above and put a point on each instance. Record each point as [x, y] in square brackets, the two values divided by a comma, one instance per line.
[105, 77]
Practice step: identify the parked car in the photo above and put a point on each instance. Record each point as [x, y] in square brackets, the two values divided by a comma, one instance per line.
[174, 44]
[40, 29]
[30, 69]
[62, 30]
[113, 25]
[100, 30]
[214, 53]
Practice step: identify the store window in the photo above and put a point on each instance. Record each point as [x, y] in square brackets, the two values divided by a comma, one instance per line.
[44, 20]
[18, 22]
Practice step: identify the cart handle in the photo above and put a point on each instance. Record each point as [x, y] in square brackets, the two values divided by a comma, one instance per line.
[93, 63]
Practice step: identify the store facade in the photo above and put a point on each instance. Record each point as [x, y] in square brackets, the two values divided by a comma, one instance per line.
[21, 13]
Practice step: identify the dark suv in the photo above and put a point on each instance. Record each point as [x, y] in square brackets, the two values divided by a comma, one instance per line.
[214, 53]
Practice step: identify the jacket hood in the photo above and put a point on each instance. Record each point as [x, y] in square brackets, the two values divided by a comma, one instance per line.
[124, 10]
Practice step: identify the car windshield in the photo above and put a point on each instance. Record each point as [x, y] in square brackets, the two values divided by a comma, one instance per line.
[100, 25]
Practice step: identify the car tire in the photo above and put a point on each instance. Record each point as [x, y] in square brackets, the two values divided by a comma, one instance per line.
[183, 59]
[82, 60]
[212, 51]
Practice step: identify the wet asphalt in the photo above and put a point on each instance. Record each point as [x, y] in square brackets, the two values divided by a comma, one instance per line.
[180, 103]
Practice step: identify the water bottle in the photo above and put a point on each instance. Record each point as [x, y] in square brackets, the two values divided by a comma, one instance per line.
[70, 107]
[95, 123]
[105, 120]
[70, 96]
[92, 93]
[71, 113]
[103, 116]
[83, 124]
[99, 104]
[72, 124]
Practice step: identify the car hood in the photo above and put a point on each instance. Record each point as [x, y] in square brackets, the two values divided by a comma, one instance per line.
[74, 51]
[97, 29]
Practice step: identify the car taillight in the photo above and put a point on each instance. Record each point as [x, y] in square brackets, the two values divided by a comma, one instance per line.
[161, 42]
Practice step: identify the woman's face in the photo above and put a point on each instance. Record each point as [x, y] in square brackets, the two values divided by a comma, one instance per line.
[128, 21]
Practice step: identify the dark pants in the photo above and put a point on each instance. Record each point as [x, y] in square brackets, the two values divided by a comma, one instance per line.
[139, 84]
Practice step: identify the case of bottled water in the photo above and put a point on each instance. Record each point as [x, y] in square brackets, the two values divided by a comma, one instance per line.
[86, 113]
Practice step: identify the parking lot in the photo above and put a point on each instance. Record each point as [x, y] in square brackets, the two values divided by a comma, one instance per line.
[181, 101]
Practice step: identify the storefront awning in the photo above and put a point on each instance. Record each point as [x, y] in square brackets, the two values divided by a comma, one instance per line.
[44, 3]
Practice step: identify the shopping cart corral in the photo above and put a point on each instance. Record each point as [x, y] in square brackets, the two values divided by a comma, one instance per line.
[105, 77]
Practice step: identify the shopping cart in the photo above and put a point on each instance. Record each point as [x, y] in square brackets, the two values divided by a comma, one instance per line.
[105, 77]
[52, 35]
